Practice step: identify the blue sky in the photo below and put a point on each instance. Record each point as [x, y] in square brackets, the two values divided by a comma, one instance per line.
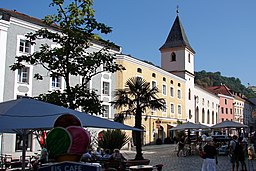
[223, 33]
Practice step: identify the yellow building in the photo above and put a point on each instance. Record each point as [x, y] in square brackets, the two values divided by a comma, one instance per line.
[172, 88]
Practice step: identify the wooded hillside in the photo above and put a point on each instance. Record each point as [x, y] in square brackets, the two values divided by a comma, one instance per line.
[207, 79]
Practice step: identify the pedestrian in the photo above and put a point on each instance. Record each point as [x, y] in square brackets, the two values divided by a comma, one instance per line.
[210, 156]
[233, 148]
[241, 153]
[181, 145]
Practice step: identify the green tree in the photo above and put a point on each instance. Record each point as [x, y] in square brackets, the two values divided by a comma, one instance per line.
[136, 98]
[77, 30]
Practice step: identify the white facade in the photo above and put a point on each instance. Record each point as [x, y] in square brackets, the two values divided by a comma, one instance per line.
[206, 107]
[13, 28]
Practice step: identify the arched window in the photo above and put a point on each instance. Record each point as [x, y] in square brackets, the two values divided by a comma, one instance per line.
[208, 117]
[189, 94]
[203, 115]
[212, 117]
[173, 57]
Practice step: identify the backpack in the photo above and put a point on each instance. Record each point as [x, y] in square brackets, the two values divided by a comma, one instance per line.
[238, 149]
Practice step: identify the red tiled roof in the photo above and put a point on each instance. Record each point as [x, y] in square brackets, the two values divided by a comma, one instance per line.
[222, 89]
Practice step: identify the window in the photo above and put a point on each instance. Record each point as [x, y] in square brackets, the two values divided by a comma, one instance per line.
[171, 91]
[164, 89]
[164, 106]
[203, 115]
[179, 109]
[212, 117]
[105, 90]
[56, 82]
[23, 75]
[154, 75]
[153, 84]
[226, 102]
[171, 81]
[104, 67]
[231, 111]
[105, 111]
[25, 46]
[203, 101]
[179, 94]
[189, 57]
[173, 57]
[19, 142]
[213, 105]
[226, 110]
[208, 117]
[178, 84]
[139, 70]
[222, 109]
[189, 94]
[172, 108]
[164, 79]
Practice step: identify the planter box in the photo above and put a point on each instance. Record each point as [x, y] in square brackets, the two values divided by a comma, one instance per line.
[137, 162]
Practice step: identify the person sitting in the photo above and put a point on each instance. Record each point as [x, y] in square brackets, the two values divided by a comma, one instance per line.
[106, 154]
[86, 157]
[117, 155]
[44, 155]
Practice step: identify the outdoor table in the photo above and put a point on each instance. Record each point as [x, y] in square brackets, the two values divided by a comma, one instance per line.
[141, 168]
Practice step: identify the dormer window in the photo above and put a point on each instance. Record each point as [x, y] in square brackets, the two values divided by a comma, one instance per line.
[173, 57]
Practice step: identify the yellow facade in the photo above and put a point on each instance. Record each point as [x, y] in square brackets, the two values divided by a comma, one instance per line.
[155, 123]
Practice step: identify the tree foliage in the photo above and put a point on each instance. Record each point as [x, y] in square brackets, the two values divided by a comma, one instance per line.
[136, 98]
[208, 79]
[113, 139]
[77, 29]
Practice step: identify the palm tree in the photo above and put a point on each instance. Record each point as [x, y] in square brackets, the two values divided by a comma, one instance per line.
[136, 98]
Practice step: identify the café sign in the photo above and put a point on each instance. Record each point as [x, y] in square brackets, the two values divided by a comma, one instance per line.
[70, 166]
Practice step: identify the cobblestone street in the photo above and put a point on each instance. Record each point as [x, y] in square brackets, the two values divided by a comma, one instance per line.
[166, 155]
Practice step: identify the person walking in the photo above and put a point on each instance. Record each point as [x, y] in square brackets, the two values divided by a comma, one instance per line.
[233, 152]
[241, 153]
[210, 156]
[181, 145]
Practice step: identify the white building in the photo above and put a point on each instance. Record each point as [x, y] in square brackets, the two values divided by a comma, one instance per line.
[13, 28]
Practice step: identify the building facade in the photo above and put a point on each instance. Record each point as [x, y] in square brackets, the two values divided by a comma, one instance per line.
[14, 84]
[156, 123]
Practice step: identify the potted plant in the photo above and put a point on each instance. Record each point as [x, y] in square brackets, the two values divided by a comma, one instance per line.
[108, 137]
[137, 97]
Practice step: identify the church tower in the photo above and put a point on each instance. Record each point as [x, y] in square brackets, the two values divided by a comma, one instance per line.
[177, 57]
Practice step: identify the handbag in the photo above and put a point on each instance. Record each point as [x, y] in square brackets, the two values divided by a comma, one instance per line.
[202, 154]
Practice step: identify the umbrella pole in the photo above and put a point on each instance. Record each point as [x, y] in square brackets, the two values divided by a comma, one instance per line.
[23, 149]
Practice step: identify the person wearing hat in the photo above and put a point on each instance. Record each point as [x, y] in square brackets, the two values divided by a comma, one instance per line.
[210, 156]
